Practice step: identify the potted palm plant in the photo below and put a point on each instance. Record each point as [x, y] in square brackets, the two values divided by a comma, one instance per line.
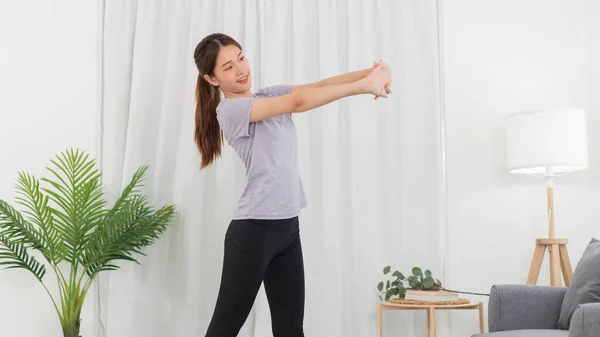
[65, 220]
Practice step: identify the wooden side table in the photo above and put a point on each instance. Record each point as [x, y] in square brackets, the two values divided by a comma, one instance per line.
[430, 308]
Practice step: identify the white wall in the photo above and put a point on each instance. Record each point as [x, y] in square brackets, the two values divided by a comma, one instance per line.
[48, 102]
[501, 57]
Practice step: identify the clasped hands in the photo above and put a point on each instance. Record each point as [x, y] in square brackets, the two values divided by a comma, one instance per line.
[380, 79]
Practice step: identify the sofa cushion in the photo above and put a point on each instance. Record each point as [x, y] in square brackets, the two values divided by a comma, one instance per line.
[585, 286]
[526, 333]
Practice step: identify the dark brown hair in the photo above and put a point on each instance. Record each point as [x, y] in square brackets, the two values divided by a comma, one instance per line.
[207, 134]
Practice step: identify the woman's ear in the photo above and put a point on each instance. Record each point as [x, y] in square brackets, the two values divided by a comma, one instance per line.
[211, 80]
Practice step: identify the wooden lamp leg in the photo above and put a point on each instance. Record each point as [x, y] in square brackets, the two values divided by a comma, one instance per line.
[565, 264]
[559, 257]
[555, 279]
[536, 263]
[550, 195]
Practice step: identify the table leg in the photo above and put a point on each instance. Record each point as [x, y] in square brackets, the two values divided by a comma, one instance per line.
[431, 321]
[379, 319]
[481, 317]
[428, 324]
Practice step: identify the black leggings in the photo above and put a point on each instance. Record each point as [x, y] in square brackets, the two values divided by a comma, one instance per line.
[257, 251]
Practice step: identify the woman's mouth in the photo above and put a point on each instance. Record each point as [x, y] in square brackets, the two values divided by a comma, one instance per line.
[243, 80]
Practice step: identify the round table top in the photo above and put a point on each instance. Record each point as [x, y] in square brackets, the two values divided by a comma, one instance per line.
[390, 304]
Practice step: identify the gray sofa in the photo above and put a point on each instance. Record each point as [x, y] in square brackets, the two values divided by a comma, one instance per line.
[534, 310]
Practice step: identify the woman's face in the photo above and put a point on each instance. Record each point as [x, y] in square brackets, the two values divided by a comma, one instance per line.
[232, 71]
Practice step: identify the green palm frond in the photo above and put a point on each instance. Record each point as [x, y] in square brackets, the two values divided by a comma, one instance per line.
[67, 221]
[14, 255]
[40, 213]
[14, 226]
[78, 196]
[129, 226]
[125, 236]
[130, 191]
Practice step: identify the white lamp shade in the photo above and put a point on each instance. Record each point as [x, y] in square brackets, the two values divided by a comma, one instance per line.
[538, 141]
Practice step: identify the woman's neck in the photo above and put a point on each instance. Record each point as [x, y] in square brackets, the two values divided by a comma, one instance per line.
[238, 94]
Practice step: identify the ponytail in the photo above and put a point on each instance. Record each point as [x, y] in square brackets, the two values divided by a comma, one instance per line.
[207, 134]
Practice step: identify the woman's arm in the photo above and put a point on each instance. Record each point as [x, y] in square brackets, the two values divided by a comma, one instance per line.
[311, 98]
[335, 80]
[344, 78]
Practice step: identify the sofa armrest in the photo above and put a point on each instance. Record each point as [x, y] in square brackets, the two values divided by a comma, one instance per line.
[514, 307]
[586, 321]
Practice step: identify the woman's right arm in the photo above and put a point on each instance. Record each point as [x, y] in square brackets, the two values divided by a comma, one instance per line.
[311, 98]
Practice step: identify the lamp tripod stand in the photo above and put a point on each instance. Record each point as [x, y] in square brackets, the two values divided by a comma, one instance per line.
[557, 249]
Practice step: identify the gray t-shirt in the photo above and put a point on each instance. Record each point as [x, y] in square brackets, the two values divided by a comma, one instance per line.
[268, 149]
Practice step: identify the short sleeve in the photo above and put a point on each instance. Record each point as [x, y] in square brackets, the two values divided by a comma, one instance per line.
[279, 90]
[234, 118]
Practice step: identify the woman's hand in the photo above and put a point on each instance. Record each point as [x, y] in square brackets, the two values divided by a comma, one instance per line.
[377, 81]
[388, 77]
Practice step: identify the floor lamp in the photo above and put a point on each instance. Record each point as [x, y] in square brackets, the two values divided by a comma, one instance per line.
[548, 144]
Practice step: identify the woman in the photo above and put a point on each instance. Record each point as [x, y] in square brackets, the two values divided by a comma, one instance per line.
[262, 243]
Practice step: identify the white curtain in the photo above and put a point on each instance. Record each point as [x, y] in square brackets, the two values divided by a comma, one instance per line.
[371, 169]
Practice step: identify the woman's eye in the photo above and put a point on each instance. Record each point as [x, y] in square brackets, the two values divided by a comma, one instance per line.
[228, 68]
[242, 58]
